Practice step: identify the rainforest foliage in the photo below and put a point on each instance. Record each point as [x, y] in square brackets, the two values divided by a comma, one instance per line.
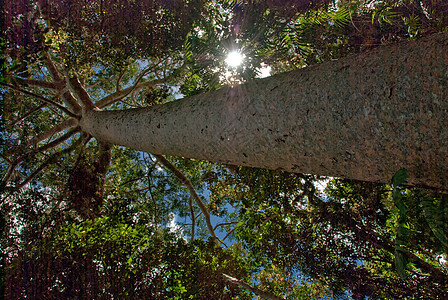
[82, 219]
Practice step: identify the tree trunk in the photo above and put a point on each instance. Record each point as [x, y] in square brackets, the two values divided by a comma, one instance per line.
[362, 117]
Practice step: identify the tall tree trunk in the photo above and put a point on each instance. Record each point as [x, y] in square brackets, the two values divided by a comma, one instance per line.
[362, 117]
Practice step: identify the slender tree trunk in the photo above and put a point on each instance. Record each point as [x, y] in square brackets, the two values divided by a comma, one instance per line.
[253, 289]
[363, 117]
[86, 183]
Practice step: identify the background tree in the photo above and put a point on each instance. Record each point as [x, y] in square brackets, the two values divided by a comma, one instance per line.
[345, 238]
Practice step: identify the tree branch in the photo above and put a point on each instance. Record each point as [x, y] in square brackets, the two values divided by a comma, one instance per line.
[10, 171]
[79, 92]
[230, 232]
[72, 105]
[119, 79]
[118, 95]
[36, 83]
[71, 102]
[52, 68]
[52, 159]
[60, 84]
[49, 101]
[66, 124]
[193, 218]
[223, 224]
[25, 116]
[57, 141]
[190, 187]
[255, 290]
[53, 144]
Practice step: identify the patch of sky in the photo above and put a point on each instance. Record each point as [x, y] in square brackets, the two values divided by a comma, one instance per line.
[264, 71]
[178, 224]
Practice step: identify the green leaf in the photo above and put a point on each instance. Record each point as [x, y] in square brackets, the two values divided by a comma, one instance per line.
[400, 263]
[400, 177]
[435, 215]
[187, 47]
[399, 203]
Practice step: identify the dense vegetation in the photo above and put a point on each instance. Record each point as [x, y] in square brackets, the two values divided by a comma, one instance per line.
[83, 219]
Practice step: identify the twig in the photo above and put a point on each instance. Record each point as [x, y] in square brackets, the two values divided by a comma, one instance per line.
[192, 190]
[155, 216]
[226, 223]
[230, 232]
[130, 181]
[351, 19]
[25, 116]
[156, 213]
[193, 219]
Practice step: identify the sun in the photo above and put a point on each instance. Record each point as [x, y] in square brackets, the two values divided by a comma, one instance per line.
[234, 59]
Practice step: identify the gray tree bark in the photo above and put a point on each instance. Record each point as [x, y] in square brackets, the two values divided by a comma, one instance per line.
[362, 117]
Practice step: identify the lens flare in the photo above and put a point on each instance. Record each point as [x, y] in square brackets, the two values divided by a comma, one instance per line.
[234, 59]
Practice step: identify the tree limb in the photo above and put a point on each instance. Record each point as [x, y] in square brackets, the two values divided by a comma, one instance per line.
[53, 144]
[71, 102]
[66, 124]
[52, 159]
[60, 84]
[25, 116]
[223, 224]
[79, 92]
[118, 95]
[193, 218]
[57, 141]
[190, 187]
[119, 79]
[255, 290]
[52, 68]
[230, 232]
[46, 100]
[32, 82]
[10, 171]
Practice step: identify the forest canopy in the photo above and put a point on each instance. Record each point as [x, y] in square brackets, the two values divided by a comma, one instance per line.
[83, 218]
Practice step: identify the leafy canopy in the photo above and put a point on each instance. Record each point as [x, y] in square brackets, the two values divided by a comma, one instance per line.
[79, 217]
